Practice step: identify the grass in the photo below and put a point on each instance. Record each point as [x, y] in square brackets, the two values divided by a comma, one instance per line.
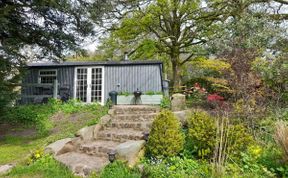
[44, 167]
[118, 169]
[15, 149]
[66, 121]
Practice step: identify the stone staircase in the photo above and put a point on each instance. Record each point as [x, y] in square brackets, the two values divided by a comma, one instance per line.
[124, 123]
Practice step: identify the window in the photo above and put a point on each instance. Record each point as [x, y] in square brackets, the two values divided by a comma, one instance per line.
[47, 76]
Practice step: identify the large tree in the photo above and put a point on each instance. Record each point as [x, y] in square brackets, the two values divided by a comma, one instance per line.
[178, 30]
[47, 29]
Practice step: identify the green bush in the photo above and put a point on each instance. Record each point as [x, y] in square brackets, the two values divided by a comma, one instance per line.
[165, 103]
[196, 98]
[165, 137]
[30, 116]
[201, 138]
[118, 170]
[238, 140]
[201, 134]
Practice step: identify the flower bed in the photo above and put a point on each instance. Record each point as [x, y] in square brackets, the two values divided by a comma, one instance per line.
[144, 99]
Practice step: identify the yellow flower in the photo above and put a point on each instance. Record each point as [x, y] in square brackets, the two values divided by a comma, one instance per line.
[37, 155]
[255, 150]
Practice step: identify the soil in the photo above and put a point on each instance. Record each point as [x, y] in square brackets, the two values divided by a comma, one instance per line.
[16, 130]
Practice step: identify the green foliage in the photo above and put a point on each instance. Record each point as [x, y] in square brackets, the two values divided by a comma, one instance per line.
[46, 166]
[165, 138]
[124, 93]
[153, 93]
[209, 73]
[47, 39]
[30, 115]
[271, 158]
[201, 137]
[36, 155]
[165, 103]
[118, 169]
[273, 73]
[201, 134]
[175, 167]
[239, 140]
[196, 98]
[38, 116]
[17, 148]
[147, 35]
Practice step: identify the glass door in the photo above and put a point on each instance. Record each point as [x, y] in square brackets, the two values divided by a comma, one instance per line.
[96, 85]
[89, 84]
[81, 84]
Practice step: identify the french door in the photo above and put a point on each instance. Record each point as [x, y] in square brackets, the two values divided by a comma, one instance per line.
[89, 84]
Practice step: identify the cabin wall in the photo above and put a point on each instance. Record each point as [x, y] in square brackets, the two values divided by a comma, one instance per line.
[65, 77]
[129, 78]
[126, 78]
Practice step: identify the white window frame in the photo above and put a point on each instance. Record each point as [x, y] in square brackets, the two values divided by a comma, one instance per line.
[41, 70]
[89, 80]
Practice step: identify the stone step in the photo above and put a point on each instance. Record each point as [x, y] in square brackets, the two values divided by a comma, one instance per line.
[134, 109]
[135, 117]
[98, 147]
[82, 164]
[119, 135]
[136, 125]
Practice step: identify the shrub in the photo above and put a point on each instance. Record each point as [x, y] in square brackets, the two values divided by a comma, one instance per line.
[201, 139]
[165, 137]
[201, 134]
[196, 98]
[239, 140]
[30, 116]
[119, 170]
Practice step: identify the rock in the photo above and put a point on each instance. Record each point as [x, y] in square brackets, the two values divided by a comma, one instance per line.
[97, 128]
[55, 147]
[82, 164]
[130, 151]
[5, 168]
[105, 120]
[70, 146]
[111, 111]
[86, 133]
[182, 116]
[178, 102]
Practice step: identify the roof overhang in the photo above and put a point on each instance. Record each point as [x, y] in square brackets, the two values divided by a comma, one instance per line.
[94, 63]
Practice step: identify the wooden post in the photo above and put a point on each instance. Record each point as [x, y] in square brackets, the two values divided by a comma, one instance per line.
[55, 89]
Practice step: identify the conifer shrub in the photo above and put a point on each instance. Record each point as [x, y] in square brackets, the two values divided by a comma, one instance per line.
[239, 140]
[166, 138]
[201, 136]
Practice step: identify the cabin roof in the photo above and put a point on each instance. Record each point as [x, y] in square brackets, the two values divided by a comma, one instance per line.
[93, 63]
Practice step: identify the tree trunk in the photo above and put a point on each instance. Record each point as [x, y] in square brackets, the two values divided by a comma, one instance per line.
[176, 80]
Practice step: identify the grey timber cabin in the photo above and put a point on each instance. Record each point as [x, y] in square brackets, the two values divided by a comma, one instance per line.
[89, 81]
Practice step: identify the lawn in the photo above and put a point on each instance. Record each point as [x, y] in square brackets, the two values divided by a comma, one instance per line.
[19, 140]
[16, 148]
